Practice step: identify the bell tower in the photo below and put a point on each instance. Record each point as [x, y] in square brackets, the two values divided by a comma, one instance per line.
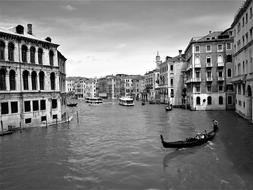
[157, 60]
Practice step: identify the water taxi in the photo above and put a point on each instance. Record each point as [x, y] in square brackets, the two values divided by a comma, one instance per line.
[126, 101]
[94, 100]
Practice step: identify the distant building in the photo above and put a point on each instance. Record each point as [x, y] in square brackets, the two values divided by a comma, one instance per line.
[171, 82]
[32, 79]
[209, 70]
[151, 84]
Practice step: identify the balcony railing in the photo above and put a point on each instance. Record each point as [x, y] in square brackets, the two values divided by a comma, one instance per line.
[220, 64]
[209, 79]
[198, 79]
[197, 65]
[220, 78]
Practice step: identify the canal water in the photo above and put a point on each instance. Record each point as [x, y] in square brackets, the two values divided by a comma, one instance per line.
[116, 147]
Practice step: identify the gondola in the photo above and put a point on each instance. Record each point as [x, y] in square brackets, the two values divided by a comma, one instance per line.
[72, 105]
[199, 139]
[168, 107]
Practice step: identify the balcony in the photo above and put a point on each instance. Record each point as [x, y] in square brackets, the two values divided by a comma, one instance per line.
[209, 79]
[220, 64]
[196, 79]
[220, 78]
[209, 65]
[197, 66]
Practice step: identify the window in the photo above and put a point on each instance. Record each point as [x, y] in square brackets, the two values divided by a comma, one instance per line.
[12, 76]
[42, 104]
[54, 103]
[220, 73]
[25, 80]
[11, 52]
[196, 48]
[32, 54]
[171, 93]
[197, 60]
[209, 100]
[2, 79]
[220, 59]
[229, 72]
[4, 108]
[35, 105]
[52, 80]
[220, 87]
[55, 116]
[43, 118]
[228, 46]
[28, 120]
[41, 78]
[34, 80]
[14, 107]
[2, 47]
[27, 106]
[208, 87]
[197, 88]
[220, 100]
[51, 57]
[208, 74]
[198, 100]
[171, 68]
[230, 100]
[208, 48]
[208, 60]
[220, 47]
[246, 18]
[229, 58]
[197, 74]
[24, 53]
[171, 82]
[40, 54]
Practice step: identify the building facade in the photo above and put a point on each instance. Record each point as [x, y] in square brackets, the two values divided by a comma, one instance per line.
[209, 70]
[242, 27]
[31, 79]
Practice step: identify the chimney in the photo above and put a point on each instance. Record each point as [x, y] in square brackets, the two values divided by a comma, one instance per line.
[29, 29]
[210, 31]
[180, 52]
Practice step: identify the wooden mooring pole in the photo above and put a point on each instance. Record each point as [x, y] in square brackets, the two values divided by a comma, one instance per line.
[77, 117]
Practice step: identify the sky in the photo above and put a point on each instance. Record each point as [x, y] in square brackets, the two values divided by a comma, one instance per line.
[103, 37]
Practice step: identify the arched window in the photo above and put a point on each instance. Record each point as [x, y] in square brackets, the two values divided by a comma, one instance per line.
[40, 55]
[209, 100]
[220, 100]
[25, 80]
[2, 79]
[198, 100]
[34, 80]
[2, 47]
[12, 76]
[32, 54]
[229, 72]
[11, 51]
[24, 53]
[52, 79]
[51, 57]
[41, 76]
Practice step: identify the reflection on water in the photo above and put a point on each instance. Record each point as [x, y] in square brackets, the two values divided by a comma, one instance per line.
[115, 147]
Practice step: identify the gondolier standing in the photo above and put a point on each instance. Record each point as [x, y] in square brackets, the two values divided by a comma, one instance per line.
[215, 125]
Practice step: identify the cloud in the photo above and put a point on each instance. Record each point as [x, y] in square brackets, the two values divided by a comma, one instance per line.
[120, 46]
[69, 8]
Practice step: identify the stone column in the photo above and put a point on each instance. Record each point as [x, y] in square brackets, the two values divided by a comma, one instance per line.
[6, 51]
[29, 81]
[7, 80]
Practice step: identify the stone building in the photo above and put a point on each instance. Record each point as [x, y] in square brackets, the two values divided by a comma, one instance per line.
[242, 28]
[151, 84]
[32, 78]
[171, 81]
[209, 70]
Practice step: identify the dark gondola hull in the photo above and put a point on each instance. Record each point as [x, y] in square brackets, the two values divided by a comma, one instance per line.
[189, 143]
[72, 105]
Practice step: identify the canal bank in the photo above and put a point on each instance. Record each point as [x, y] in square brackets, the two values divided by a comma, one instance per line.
[115, 147]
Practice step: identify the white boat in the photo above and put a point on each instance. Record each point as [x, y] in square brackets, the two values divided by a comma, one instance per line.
[94, 100]
[126, 101]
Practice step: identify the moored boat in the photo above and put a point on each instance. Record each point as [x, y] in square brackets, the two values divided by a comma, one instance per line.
[126, 101]
[72, 105]
[93, 100]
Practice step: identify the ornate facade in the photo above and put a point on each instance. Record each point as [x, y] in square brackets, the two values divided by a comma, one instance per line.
[31, 79]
